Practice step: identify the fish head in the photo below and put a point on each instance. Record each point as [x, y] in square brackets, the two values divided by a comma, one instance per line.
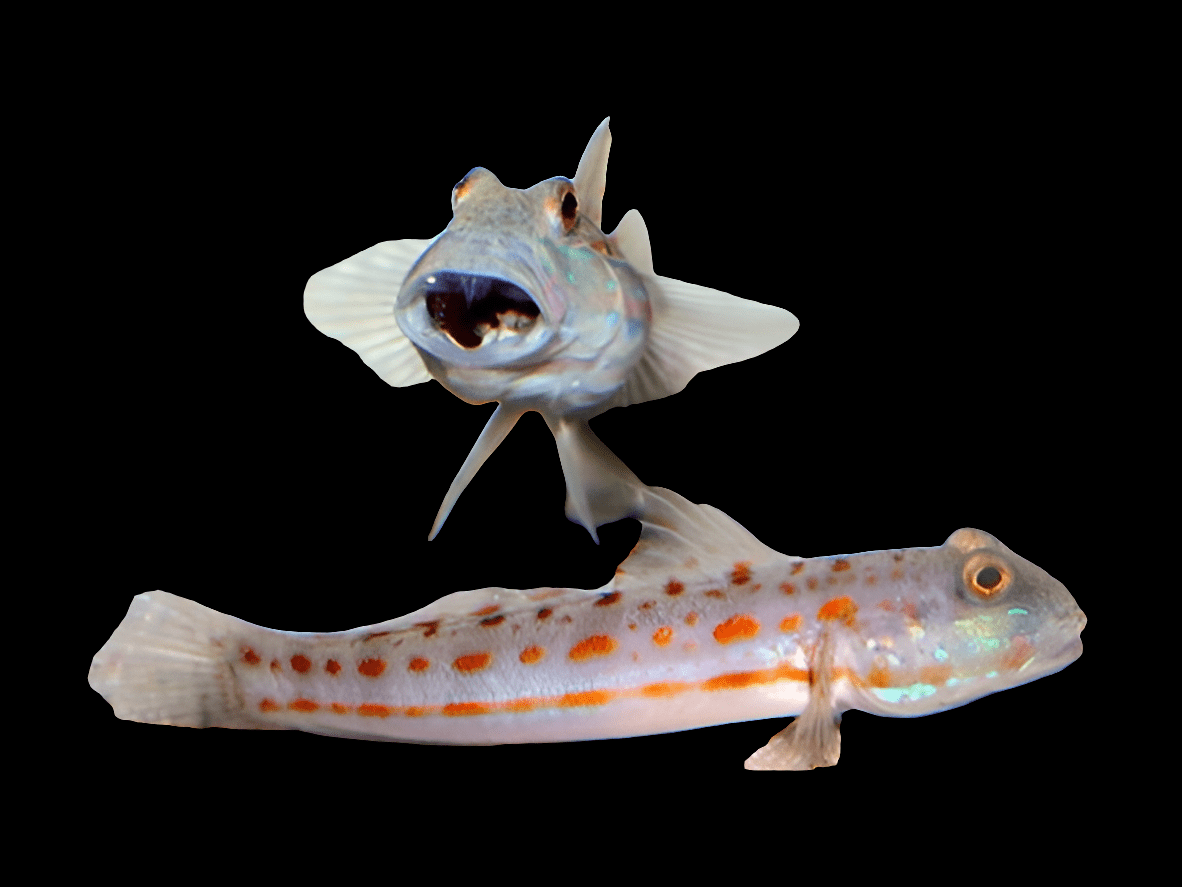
[985, 620]
[523, 299]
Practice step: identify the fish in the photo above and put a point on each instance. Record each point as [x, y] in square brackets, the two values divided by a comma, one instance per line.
[523, 300]
[702, 624]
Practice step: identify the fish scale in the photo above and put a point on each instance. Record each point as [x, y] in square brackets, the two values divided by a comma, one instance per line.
[701, 625]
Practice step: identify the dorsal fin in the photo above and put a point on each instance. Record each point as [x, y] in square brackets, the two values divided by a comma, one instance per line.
[591, 178]
[353, 301]
[485, 602]
[680, 538]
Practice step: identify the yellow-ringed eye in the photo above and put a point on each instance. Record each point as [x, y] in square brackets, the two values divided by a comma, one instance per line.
[986, 576]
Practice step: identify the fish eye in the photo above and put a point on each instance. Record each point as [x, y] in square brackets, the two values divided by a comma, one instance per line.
[570, 210]
[986, 576]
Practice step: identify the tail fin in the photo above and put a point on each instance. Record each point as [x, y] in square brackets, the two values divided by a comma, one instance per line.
[599, 487]
[168, 662]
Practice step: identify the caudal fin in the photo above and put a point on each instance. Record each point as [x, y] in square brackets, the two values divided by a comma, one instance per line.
[168, 662]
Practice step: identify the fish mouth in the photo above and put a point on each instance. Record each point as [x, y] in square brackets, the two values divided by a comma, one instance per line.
[471, 309]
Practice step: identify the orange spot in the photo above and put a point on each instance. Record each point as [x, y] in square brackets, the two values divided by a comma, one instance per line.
[530, 655]
[742, 573]
[757, 586]
[714, 592]
[545, 613]
[303, 705]
[738, 628]
[520, 705]
[880, 676]
[275, 664]
[472, 662]
[338, 709]
[935, 674]
[840, 565]
[811, 582]
[370, 710]
[691, 618]
[787, 588]
[909, 611]
[608, 599]
[250, 657]
[458, 709]
[840, 608]
[486, 611]
[332, 666]
[419, 664]
[376, 634]
[797, 567]
[371, 668]
[431, 627]
[590, 697]
[595, 645]
[491, 621]
[896, 574]
[790, 623]
[871, 579]
[664, 689]
[268, 705]
[647, 605]
[414, 711]
[662, 636]
[889, 606]
[300, 662]
[674, 588]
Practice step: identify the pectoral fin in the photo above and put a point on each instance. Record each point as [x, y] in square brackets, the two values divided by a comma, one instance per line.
[498, 426]
[694, 328]
[813, 739]
[599, 487]
[354, 301]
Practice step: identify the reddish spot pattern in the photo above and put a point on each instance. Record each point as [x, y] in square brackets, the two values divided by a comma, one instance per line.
[666, 688]
[674, 588]
[268, 705]
[715, 592]
[530, 655]
[662, 636]
[418, 664]
[608, 599]
[486, 611]
[790, 623]
[935, 674]
[840, 565]
[339, 709]
[332, 666]
[300, 662]
[275, 665]
[430, 628]
[545, 613]
[841, 609]
[738, 628]
[589, 697]
[371, 668]
[472, 662]
[491, 621]
[787, 588]
[250, 657]
[742, 573]
[303, 705]
[370, 710]
[880, 675]
[811, 582]
[797, 567]
[595, 645]
[691, 618]
[457, 709]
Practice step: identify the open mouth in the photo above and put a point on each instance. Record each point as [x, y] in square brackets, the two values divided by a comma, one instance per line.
[470, 307]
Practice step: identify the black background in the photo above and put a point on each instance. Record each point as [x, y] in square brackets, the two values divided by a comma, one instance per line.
[227, 452]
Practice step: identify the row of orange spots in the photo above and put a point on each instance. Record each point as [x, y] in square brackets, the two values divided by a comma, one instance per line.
[790, 623]
[608, 599]
[662, 636]
[674, 588]
[741, 574]
[585, 698]
[471, 662]
[371, 668]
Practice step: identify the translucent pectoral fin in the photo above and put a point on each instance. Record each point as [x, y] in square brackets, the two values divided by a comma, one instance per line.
[498, 426]
[811, 740]
[814, 738]
[599, 487]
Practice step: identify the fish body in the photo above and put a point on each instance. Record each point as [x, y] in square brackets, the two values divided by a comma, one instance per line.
[701, 625]
[524, 300]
